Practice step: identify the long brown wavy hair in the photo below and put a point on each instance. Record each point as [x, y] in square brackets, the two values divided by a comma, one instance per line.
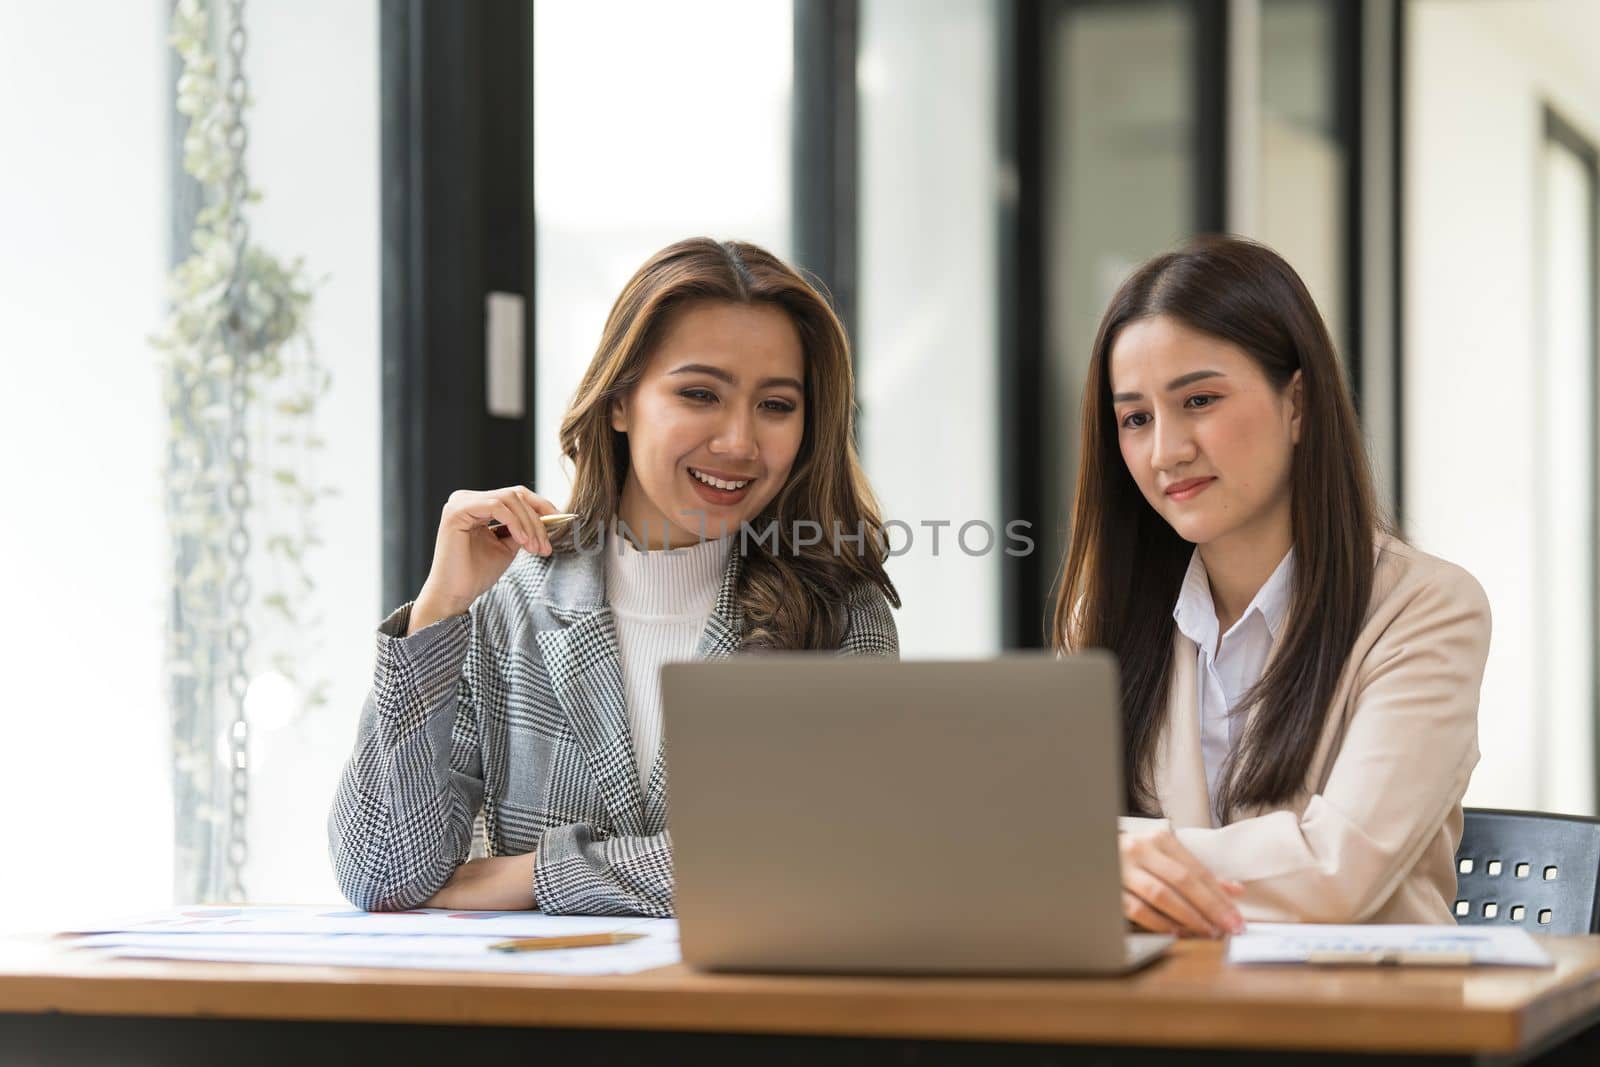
[1126, 564]
[790, 595]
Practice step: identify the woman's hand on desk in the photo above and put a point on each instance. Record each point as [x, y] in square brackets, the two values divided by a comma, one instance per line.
[1165, 889]
[467, 556]
[498, 883]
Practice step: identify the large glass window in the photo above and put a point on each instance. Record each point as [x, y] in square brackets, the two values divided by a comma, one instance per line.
[1123, 171]
[677, 126]
[314, 155]
[98, 740]
[928, 333]
[1303, 177]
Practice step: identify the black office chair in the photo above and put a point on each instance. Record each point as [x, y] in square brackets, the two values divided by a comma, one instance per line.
[1529, 869]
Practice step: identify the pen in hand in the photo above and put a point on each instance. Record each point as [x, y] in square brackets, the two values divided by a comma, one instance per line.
[503, 531]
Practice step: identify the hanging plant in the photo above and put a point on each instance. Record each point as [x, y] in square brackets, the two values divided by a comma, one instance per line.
[232, 304]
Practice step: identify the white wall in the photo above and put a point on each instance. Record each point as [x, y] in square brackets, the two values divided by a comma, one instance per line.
[1477, 75]
[928, 337]
[84, 780]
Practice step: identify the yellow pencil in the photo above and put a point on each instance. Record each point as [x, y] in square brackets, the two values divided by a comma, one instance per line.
[540, 944]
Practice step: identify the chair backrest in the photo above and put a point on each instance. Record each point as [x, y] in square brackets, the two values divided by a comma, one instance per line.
[1529, 869]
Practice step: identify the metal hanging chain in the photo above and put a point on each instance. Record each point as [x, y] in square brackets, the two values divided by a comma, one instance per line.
[238, 456]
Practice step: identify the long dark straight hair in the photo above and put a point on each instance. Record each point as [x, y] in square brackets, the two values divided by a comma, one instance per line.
[1126, 564]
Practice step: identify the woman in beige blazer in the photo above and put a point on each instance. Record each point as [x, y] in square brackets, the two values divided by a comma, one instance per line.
[1300, 686]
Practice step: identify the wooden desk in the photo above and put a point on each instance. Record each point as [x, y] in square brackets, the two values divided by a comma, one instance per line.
[60, 1005]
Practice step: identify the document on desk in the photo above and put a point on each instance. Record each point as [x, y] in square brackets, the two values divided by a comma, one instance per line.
[427, 939]
[335, 919]
[1460, 946]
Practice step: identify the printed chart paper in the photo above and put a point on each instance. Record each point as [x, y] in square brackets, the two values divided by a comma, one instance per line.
[1399, 944]
[432, 939]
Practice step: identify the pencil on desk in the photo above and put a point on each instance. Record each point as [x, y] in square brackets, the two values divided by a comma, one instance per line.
[539, 944]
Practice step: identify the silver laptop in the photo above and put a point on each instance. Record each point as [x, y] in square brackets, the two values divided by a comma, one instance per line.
[835, 814]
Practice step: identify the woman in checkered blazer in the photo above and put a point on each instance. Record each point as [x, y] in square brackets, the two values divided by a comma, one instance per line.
[514, 712]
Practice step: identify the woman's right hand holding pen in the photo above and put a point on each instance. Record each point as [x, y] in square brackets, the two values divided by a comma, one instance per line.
[468, 558]
[1166, 889]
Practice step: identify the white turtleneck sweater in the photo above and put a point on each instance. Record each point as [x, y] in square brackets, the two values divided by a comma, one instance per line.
[660, 603]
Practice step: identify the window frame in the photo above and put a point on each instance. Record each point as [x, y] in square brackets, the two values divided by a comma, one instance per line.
[1558, 131]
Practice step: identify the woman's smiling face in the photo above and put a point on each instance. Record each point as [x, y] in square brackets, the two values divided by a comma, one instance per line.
[714, 423]
[1208, 438]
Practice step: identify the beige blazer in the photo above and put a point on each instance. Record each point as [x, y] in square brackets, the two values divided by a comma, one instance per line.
[1372, 836]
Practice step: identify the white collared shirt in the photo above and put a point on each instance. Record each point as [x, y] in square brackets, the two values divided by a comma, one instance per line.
[1227, 669]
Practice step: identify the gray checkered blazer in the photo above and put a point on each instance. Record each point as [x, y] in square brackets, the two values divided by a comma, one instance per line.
[514, 713]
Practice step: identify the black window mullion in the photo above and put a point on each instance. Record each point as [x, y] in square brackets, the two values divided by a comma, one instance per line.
[457, 130]
[825, 162]
[1210, 75]
[1022, 42]
[1347, 37]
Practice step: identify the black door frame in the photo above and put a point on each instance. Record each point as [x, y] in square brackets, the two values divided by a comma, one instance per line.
[825, 157]
[456, 91]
